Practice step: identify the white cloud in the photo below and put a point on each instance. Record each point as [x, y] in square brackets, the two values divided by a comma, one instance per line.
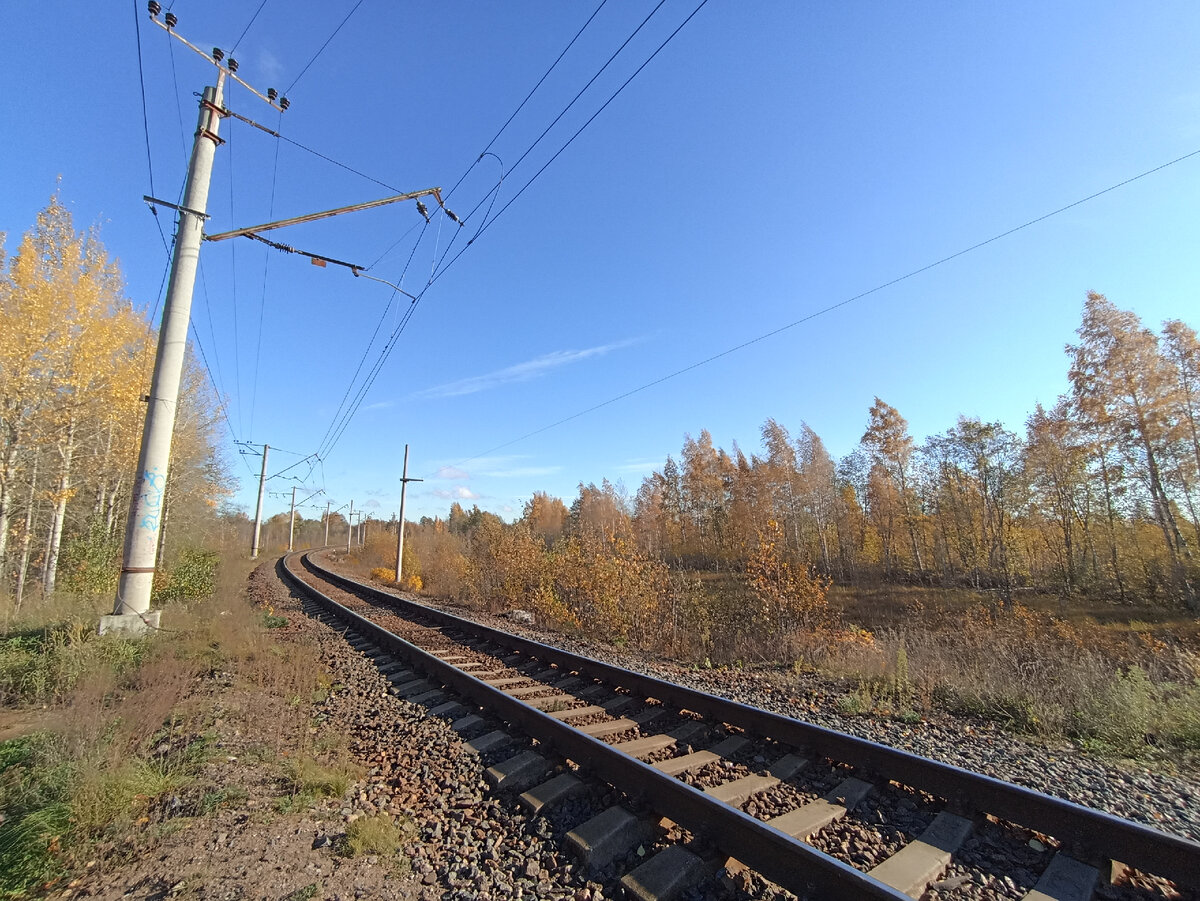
[519, 372]
[458, 493]
[521, 472]
[451, 473]
[269, 66]
[381, 405]
[372, 504]
[640, 465]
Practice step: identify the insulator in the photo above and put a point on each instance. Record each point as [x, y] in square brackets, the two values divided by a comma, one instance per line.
[172, 19]
[284, 103]
[218, 54]
[154, 8]
[452, 216]
[232, 64]
[272, 94]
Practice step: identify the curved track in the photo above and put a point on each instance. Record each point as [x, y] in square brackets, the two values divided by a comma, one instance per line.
[637, 733]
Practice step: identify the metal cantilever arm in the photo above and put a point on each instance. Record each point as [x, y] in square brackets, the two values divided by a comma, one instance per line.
[324, 214]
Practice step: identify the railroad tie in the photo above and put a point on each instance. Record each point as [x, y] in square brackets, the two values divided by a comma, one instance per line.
[816, 815]
[666, 875]
[525, 690]
[505, 681]
[608, 835]
[697, 759]
[561, 787]
[913, 867]
[611, 727]
[489, 742]
[1066, 879]
[575, 713]
[737, 791]
[519, 772]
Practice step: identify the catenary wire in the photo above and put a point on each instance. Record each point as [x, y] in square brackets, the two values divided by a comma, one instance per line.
[831, 307]
[262, 304]
[363, 359]
[528, 96]
[247, 28]
[323, 46]
[328, 445]
[600, 72]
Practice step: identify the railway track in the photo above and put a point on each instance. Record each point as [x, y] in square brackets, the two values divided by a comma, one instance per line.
[714, 785]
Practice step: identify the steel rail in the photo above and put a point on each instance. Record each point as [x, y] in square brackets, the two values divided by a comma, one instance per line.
[1083, 831]
[784, 860]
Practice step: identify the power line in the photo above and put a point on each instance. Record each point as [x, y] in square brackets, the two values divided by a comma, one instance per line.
[328, 444]
[532, 91]
[831, 307]
[486, 225]
[262, 304]
[600, 72]
[247, 28]
[137, 24]
[323, 46]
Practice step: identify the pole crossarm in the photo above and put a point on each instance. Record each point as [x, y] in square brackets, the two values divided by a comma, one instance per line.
[325, 214]
[174, 206]
[229, 70]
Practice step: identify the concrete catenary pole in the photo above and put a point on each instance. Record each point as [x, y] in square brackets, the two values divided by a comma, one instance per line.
[292, 521]
[350, 527]
[262, 484]
[132, 607]
[404, 480]
[328, 504]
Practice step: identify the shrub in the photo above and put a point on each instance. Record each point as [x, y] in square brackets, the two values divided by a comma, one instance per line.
[194, 576]
[383, 574]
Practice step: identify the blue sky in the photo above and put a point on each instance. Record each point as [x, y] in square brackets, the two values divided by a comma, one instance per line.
[774, 159]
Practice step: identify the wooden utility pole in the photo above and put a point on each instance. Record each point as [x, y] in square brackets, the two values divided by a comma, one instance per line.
[404, 480]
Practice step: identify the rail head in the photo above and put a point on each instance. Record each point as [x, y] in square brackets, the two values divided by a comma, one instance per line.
[1080, 829]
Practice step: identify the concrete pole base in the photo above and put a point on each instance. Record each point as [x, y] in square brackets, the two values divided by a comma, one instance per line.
[130, 624]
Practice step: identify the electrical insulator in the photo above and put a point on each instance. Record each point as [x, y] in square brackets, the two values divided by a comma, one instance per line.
[172, 20]
[218, 54]
[284, 103]
[232, 64]
[272, 94]
[154, 8]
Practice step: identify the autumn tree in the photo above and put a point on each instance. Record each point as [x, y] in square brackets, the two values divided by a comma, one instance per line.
[891, 449]
[1124, 387]
[547, 516]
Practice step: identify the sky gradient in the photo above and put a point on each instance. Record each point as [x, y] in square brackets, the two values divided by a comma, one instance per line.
[775, 159]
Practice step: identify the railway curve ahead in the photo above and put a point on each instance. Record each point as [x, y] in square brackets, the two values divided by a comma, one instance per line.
[712, 782]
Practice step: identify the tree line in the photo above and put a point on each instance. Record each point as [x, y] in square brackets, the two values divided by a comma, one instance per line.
[1098, 496]
[76, 360]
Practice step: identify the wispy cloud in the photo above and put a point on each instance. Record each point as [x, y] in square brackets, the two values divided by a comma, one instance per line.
[639, 465]
[517, 472]
[381, 405]
[457, 493]
[269, 66]
[509, 466]
[372, 504]
[520, 372]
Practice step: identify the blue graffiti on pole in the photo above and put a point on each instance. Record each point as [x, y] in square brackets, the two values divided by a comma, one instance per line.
[152, 498]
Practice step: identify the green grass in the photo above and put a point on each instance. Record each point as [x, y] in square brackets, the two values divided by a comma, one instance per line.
[378, 834]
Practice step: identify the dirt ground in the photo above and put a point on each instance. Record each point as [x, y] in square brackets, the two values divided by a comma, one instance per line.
[230, 834]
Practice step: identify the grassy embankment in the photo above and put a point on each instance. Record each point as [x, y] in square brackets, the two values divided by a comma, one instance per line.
[105, 743]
